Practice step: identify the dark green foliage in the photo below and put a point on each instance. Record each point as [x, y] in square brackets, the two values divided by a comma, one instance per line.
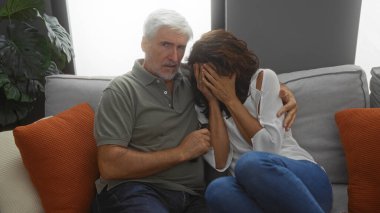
[32, 46]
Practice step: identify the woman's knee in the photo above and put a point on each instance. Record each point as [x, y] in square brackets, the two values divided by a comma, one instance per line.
[251, 161]
[218, 187]
[256, 167]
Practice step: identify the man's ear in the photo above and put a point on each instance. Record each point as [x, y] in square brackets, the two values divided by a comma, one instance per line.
[144, 43]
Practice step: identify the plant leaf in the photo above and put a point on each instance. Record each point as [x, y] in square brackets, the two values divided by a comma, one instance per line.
[3, 79]
[12, 7]
[11, 92]
[21, 91]
[10, 111]
[29, 89]
[53, 69]
[15, 105]
[26, 53]
[58, 36]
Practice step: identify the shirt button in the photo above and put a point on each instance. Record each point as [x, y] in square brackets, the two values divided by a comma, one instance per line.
[158, 81]
[165, 92]
[170, 105]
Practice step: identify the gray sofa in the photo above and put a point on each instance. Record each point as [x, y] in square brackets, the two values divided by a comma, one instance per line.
[320, 94]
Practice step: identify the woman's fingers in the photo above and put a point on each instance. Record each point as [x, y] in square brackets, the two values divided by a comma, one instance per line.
[196, 72]
[206, 82]
[198, 75]
[211, 70]
[210, 75]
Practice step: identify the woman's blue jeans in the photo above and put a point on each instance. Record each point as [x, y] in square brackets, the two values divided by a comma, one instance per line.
[266, 182]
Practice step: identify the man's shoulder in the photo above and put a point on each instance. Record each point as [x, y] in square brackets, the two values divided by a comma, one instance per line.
[122, 79]
[185, 70]
[122, 84]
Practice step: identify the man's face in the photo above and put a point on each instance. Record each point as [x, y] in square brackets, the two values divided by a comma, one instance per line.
[164, 52]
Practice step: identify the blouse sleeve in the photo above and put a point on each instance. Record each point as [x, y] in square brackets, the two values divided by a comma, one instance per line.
[210, 156]
[270, 137]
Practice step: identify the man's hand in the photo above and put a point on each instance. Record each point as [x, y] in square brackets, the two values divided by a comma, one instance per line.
[289, 108]
[195, 144]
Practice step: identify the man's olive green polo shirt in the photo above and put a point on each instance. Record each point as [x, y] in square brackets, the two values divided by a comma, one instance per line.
[137, 111]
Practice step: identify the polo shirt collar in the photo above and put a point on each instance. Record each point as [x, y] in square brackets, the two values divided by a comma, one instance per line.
[146, 77]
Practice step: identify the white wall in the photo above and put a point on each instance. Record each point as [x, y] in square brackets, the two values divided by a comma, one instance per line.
[107, 34]
[368, 45]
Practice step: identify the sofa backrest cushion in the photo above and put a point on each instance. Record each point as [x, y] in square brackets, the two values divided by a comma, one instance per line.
[65, 91]
[375, 87]
[320, 93]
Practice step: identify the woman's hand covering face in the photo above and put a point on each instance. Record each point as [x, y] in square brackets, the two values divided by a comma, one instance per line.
[222, 87]
[200, 78]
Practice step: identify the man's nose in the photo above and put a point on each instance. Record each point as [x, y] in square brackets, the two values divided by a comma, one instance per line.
[174, 55]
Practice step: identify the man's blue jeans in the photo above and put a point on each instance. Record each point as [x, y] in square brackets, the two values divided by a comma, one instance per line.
[142, 197]
[266, 182]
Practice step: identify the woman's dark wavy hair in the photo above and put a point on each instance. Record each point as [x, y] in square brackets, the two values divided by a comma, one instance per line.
[229, 55]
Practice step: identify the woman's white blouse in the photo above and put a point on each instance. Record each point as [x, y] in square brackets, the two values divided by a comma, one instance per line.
[272, 137]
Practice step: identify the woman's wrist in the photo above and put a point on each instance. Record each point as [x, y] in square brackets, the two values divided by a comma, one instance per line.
[213, 101]
[231, 103]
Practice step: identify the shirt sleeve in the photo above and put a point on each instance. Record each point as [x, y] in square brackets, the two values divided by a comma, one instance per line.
[270, 137]
[210, 156]
[210, 159]
[113, 119]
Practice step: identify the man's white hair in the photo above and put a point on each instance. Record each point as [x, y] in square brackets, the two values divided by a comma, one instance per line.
[166, 18]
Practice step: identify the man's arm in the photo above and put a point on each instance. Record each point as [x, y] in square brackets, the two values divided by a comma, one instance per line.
[117, 162]
[290, 106]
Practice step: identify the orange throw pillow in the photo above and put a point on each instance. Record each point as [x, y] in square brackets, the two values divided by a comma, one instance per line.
[59, 153]
[359, 133]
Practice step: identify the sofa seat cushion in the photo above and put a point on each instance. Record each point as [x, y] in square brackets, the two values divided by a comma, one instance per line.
[340, 198]
[17, 193]
[359, 133]
[59, 153]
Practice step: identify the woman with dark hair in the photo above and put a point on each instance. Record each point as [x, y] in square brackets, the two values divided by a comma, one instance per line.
[238, 101]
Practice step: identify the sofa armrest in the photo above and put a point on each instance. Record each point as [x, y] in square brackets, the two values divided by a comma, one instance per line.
[17, 193]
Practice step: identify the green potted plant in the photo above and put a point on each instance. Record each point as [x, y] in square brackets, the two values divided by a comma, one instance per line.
[32, 46]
